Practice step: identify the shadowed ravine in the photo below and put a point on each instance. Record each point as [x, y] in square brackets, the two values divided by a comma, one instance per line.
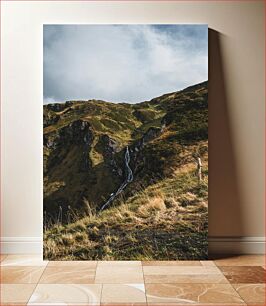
[129, 178]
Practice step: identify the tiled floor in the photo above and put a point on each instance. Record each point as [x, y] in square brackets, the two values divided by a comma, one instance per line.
[235, 280]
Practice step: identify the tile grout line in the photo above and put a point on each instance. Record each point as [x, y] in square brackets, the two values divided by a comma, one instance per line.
[37, 284]
[16, 266]
[248, 303]
[142, 266]
[144, 282]
[101, 293]
[242, 303]
[230, 283]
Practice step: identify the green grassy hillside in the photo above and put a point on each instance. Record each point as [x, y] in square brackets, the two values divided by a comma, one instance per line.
[162, 213]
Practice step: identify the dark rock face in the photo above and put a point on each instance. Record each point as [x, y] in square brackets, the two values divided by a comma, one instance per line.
[107, 146]
[50, 118]
[77, 133]
[151, 134]
[68, 149]
[56, 107]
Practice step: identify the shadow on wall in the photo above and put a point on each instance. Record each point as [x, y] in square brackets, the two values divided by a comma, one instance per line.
[225, 216]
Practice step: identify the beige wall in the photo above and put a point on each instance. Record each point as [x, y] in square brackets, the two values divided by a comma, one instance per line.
[236, 104]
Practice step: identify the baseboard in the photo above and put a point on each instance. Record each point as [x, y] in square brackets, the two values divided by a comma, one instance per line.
[236, 245]
[21, 245]
[217, 245]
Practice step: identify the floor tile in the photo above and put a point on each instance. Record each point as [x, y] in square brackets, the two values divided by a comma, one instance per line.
[74, 263]
[192, 293]
[24, 260]
[2, 256]
[115, 263]
[16, 293]
[251, 293]
[183, 275]
[119, 273]
[21, 275]
[172, 263]
[248, 274]
[123, 293]
[14, 304]
[68, 275]
[241, 260]
[209, 263]
[126, 304]
[185, 279]
[184, 270]
[195, 304]
[65, 294]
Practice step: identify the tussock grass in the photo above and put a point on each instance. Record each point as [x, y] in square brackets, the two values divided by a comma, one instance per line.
[165, 220]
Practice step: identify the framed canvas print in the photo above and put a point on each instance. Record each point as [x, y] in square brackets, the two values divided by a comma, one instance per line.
[125, 142]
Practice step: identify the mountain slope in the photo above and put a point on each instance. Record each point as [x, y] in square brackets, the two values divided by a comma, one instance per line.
[85, 141]
[149, 152]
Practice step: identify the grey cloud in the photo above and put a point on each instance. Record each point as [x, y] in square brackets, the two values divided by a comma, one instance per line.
[122, 63]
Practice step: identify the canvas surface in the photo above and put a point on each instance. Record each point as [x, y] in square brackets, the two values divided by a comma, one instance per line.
[125, 142]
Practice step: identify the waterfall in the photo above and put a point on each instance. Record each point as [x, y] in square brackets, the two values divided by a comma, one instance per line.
[129, 178]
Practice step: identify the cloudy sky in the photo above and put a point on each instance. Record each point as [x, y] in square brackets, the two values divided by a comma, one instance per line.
[122, 63]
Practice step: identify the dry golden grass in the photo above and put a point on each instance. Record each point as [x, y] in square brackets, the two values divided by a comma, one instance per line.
[153, 204]
[167, 219]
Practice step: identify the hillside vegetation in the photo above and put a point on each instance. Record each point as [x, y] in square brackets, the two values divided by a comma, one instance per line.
[162, 213]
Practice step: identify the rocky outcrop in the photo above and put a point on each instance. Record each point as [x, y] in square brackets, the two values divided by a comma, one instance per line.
[50, 118]
[108, 147]
[151, 134]
[77, 133]
[56, 107]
